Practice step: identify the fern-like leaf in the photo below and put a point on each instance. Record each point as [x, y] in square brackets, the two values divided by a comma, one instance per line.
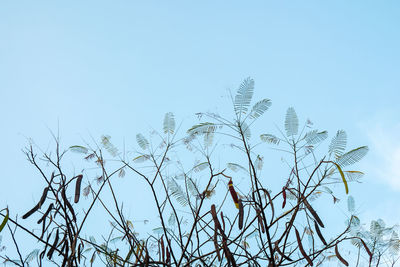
[243, 96]
[291, 122]
[202, 128]
[142, 141]
[315, 137]
[259, 108]
[350, 204]
[169, 123]
[352, 156]
[235, 167]
[338, 144]
[177, 192]
[270, 139]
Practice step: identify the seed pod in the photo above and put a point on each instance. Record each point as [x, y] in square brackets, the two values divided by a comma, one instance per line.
[38, 205]
[313, 212]
[162, 249]
[168, 257]
[281, 253]
[78, 187]
[340, 256]
[260, 222]
[241, 214]
[319, 233]
[284, 197]
[215, 218]
[302, 249]
[223, 221]
[53, 247]
[233, 193]
[64, 197]
[367, 249]
[46, 213]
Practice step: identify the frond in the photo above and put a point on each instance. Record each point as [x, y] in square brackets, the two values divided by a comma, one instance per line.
[259, 108]
[192, 187]
[202, 128]
[270, 139]
[176, 191]
[169, 123]
[352, 156]
[235, 167]
[208, 139]
[315, 137]
[141, 158]
[105, 141]
[291, 122]
[79, 149]
[243, 96]
[201, 166]
[142, 141]
[338, 144]
[246, 130]
[353, 176]
[350, 204]
[259, 162]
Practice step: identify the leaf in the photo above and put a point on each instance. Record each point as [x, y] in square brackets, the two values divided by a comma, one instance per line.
[259, 108]
[169, 123]
[105, 141]
[338, 144]
[350, 204]
[352, 156]
[291, 122]
[353, 175]
[79, 149]
[142, 141]
[177, 192]
[34, 253]
[269, 138]
[141, 158]
[243, 96]
[202, 128]
[5, 220]
[259, 162]
[315, 137]
[208, 139]
[235, 167]
[343, 178]
[200, 167]
[245, 130]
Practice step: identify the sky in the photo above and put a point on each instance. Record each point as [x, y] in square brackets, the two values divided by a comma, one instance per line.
[90, 68]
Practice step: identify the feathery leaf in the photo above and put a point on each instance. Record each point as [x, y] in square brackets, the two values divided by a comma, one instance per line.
[169, 123]
[259, 108]
[291, 122]
[243, 96]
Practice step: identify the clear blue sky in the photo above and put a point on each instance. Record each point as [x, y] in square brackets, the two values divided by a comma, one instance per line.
[115, 67]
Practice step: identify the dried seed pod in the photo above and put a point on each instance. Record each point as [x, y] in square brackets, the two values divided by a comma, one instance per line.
[162, 249]
[168, 260]
[340, 256]
[319, 233]
[64, 197]
[38, 205]
[366, 249]
[281, 253]
[233, 193]
[313, 212]
[302, 249]
[284, 197]
[46, 213]
[53, 247]
[78, 188]
[223, 221]
[241, 214]
[215, 218]
[260, 221]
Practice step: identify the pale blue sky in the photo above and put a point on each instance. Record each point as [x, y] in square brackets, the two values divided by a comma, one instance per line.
[115, 67]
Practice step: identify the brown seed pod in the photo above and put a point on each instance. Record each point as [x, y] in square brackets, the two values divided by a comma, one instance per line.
[78, 187]
[64, 197]
[319, 233]
[313, 212]
[340, 256]
[233, 193]
[53, 247]
[46, 213]
[38, 205]
[302, 249]
[366, 249]
[241, 214]
[223, 221]
[281, 253]
[162, 249]
[260, 222]
[284, 197]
